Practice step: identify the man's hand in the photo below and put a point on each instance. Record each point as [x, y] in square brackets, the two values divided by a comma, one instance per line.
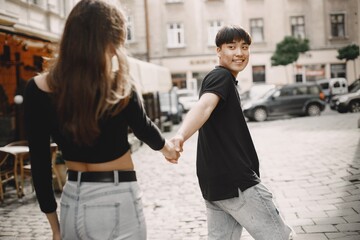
[170, 153]
[178, 142]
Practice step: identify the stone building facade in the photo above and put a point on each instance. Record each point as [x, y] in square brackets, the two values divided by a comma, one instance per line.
[180, 36]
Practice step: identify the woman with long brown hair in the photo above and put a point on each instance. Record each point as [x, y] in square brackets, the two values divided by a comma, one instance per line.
[86, 108]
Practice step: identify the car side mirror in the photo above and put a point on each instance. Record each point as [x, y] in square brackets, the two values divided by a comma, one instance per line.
[275, 95]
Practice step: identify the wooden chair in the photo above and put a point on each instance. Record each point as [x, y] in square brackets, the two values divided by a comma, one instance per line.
[56, 174]
[24, 163]
[7, 172]
[25, 167]
[18, 143]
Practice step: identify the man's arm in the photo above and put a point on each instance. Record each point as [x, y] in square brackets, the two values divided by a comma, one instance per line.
[195, 118]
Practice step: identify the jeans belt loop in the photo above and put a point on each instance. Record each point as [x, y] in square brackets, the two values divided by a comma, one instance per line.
[78, 179]
[116, 177]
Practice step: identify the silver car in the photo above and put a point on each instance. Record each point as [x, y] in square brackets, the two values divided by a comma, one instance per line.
[349, 102]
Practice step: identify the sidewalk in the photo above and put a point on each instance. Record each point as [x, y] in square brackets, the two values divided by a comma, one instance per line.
[311, 164]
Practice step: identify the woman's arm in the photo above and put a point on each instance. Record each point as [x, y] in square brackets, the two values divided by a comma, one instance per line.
[55, 226]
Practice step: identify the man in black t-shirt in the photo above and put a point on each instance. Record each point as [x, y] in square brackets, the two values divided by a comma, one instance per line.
[227, 162]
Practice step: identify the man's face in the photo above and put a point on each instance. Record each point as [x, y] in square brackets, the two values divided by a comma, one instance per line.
[234, 56]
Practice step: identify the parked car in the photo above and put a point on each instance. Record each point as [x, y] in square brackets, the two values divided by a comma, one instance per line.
[353, 85]
[349, 102]
[333, 86]
[255, 92]
[293, 99]
[187, 98]
[170, 107]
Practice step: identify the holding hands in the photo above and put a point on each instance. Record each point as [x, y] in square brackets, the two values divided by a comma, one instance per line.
[169, 152]
[172, 149]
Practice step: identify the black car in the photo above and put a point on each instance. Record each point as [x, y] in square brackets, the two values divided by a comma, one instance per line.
[293, 99]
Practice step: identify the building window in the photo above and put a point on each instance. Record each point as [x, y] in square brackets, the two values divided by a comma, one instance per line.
[179, 80]
[258, 74]
[53, 5]
[337, 25]
[314, 72]
[175, 34]
[174, 1]
[40, 3]
[338, 70]
[130, 29]
[298, 27]
[257, 29]
[214, 27]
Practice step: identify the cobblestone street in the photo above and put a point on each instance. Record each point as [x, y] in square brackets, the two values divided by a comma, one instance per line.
[311, 164]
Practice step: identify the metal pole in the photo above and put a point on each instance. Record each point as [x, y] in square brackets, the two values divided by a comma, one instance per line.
[147, 31]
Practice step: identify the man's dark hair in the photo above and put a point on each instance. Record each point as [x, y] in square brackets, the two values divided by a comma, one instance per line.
[228, 34]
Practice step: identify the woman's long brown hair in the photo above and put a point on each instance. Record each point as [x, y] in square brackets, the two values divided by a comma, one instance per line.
[81, 79]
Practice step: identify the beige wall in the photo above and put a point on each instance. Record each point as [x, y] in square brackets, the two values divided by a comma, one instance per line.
[43, 20]
[198, 56]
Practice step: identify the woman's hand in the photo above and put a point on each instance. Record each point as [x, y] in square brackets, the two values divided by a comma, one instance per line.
[169, 152]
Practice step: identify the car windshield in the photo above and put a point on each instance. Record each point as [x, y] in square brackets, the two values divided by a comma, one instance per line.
[269, 93]
[355, 89]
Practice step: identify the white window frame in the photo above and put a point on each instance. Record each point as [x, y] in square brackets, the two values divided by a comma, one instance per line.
[53, 6]
[257, 30]
[39, 3]
[175, 35]
[174, 1]
[213, 29]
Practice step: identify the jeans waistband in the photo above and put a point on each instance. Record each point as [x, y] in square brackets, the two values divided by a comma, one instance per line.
[109, 176]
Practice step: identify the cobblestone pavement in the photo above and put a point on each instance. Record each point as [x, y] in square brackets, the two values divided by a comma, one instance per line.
[311, 164]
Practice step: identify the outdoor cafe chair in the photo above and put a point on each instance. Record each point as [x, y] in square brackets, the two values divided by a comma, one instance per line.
[7, 172]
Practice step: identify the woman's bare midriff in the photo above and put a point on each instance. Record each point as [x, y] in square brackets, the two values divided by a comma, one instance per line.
[123, 163]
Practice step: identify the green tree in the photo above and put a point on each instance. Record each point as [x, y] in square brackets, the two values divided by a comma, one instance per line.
[288, 51]
[350, 52]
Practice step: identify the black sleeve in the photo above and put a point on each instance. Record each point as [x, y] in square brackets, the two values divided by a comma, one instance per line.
[37, 124]
[217, 81]
[142, 126]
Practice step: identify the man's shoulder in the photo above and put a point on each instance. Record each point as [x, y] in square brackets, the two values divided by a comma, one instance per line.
[219, 72]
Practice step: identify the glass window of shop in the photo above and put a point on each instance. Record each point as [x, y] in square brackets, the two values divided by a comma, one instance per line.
[314, 72]
[338, 70]
[179, 80]
[199, 76]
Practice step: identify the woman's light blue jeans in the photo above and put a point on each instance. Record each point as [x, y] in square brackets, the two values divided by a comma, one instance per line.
[91, 210]
[254, 210]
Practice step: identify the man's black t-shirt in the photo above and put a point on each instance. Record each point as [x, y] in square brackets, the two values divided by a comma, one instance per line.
[226, 156]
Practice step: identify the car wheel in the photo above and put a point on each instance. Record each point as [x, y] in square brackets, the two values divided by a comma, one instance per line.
[260, 114]
[354, 106]
[313, 110]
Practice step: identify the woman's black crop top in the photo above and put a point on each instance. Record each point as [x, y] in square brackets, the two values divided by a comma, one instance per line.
[41, 124]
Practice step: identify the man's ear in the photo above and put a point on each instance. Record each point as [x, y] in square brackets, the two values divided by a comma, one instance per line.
[218, 50]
